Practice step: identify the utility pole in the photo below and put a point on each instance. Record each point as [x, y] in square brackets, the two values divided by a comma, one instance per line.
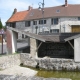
[42, 8]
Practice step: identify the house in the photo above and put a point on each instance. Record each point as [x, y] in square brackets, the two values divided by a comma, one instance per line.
[58, 19]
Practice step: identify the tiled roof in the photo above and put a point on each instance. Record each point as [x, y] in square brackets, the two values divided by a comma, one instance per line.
[18, 16]
[57, 11]
[72, 37]
[57, 37]
[51, 37]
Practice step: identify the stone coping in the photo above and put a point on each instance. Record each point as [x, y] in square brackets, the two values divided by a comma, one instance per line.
[17, 77]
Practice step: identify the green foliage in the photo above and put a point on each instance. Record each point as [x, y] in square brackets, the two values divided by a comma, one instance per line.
[1, 26]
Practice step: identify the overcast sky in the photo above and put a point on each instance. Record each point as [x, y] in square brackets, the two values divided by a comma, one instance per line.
[7, 6]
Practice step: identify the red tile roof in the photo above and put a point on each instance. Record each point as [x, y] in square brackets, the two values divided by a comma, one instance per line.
[18, 16]
[57, 11]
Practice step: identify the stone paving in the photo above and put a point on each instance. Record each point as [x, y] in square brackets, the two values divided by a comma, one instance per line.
[20, 71]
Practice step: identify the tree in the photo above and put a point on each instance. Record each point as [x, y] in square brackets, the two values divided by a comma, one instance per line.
[1, 26]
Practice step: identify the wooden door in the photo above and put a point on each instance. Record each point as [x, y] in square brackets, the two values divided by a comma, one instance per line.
[75, 29]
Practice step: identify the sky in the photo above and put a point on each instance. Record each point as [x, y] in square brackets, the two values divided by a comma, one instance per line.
[7, 6]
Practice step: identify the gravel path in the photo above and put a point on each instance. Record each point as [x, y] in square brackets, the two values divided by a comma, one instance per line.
[20, 71]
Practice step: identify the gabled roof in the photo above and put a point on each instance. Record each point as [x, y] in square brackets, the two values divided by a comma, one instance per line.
[59, 37]
[18, 16]
[57, 11]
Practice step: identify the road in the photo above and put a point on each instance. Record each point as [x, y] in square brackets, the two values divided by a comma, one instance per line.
[19, 45]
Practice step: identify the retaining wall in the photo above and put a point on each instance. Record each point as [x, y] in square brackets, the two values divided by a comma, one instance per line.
[50, 63]
[9, 61]
[44, 63]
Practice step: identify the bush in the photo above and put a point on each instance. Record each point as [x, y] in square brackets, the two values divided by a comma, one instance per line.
[1, 26]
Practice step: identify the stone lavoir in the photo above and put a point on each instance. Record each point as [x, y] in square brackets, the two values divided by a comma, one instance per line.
[9, 61]
[52, 67]
[50, 63]
[54, 45]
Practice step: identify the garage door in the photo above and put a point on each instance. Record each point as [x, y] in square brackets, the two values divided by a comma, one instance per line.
[75, 29]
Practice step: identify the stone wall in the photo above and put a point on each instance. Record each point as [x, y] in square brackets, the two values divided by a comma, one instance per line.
[27, 60]
[21, 26]
[50, 63]
[42, 63]
[9, 61]
[33, 47]
[64, 22]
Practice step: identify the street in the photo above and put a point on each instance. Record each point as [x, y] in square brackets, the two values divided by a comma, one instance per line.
[19, 45]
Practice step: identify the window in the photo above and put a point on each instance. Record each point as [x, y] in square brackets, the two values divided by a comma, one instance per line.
[44, 21]
[78, 18]
[27, 23]
[57, 11]
[54, 30]
[51, 21]
[32, 14]
[13, 24]
[54, 21]
[34, 22]
[7, 24]
[41, 21]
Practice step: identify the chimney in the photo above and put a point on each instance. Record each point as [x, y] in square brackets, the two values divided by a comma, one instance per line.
[15, 10]
[66, 3]
[29, 8]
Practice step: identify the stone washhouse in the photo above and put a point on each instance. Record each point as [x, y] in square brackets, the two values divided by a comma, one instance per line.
[60, 45]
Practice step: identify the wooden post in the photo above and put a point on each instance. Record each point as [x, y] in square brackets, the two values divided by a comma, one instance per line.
[2, 43]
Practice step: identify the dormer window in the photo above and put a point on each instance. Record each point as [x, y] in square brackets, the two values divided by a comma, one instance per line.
[32, 14]
[58, 11]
